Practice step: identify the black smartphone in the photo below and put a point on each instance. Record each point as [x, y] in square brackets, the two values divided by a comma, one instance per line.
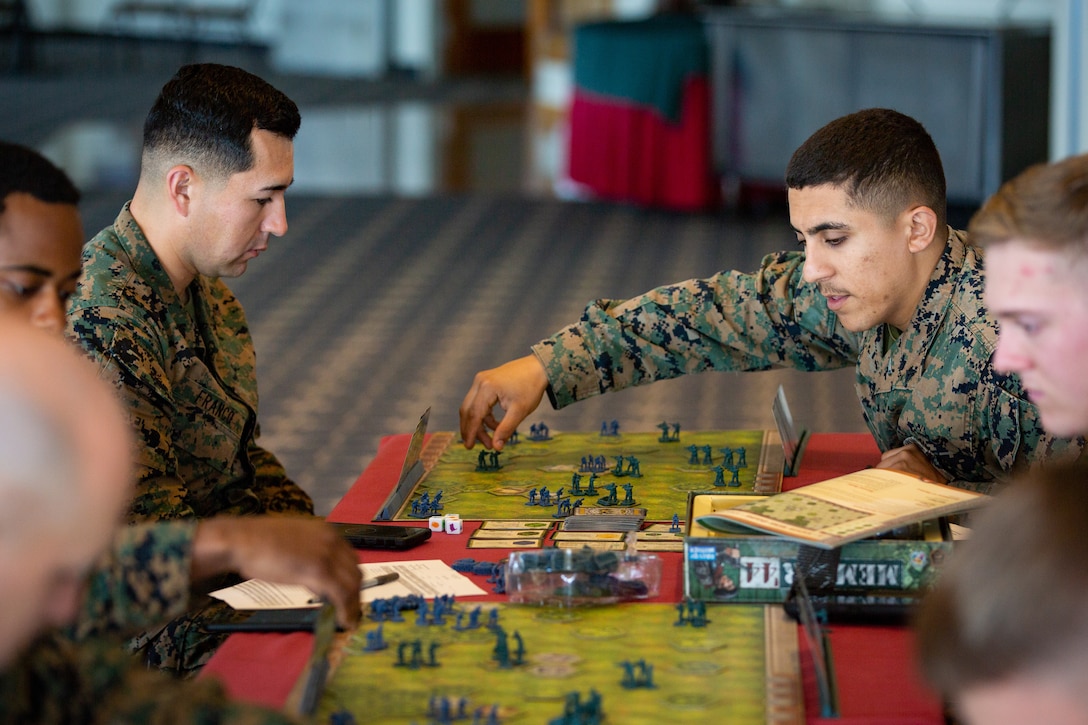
[370, 536]
[860, 608]
[270, 620]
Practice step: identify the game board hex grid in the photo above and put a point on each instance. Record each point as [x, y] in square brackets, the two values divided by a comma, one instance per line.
[728, 671]
[667, 474]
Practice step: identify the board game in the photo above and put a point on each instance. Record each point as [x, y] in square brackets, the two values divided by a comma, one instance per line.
[631, 663]
[545, 477]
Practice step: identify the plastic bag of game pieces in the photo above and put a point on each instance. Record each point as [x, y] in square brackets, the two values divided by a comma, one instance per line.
[577, 577]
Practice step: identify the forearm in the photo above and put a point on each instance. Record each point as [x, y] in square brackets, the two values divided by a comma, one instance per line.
[731, 321]
[143, 580]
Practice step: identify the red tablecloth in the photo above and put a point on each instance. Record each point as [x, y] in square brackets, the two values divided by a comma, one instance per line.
[624, 152]
[874, 666]
[640, 115]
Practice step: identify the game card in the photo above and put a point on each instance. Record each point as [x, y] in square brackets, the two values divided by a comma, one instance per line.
[659, 536]
[659, 527]
[602, 545]
[504, 534]
[588, 536]
[475, 543]
[536, 525]
[659, 545]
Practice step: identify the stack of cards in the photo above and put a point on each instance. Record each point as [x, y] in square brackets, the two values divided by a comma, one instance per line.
[509, 535]
[605, 518]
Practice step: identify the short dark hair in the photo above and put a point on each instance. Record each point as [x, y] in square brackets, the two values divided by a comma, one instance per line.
[1047, 204]
[1014, 598]
[25, 170]
[885, 160]
[206, 113]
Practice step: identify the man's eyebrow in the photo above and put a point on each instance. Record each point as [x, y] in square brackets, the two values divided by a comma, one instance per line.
[278, 187]
[32, 269]
[824, 227]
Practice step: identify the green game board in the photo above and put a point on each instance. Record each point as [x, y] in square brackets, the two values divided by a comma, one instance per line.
[724, 672]
[667, 473]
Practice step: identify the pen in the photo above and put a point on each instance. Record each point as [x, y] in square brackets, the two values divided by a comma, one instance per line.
[376, 581]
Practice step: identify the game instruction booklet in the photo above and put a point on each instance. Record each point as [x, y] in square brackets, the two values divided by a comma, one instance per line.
[839, 510]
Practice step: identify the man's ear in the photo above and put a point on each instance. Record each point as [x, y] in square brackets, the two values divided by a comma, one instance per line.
[179, 186]
[923, 228]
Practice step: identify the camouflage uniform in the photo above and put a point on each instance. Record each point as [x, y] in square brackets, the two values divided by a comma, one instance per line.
[59, 681]
[142, 583]
[935, 386]
[188, 378]
[142, 580]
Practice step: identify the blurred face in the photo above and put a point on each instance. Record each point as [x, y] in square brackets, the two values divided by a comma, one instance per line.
[1022, 700]
[233, 218]
[40, 245]
[1040, 301]
[860, 261]
[44, 575]
[54, 527]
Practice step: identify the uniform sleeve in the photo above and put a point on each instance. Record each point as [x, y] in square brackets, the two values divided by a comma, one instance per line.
[130, 358]
[142, 580]
[1017, 441]
[732, 321]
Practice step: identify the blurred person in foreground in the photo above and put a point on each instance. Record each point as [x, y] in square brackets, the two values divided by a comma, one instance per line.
[65, 455]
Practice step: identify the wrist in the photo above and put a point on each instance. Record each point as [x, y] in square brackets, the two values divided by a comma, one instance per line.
[212, 549]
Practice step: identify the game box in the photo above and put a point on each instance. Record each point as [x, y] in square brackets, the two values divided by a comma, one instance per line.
[760, 568]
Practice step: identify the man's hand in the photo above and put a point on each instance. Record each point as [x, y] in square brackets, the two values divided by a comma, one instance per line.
[910, 459]
[516, 386]
[285, 550]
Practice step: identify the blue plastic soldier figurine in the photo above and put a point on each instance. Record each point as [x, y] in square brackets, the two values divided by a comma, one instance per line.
[532, 497]
[708, 458]
[519, 651]
[719, 475]
[694, 459]
[741, 461]
[664, 431]
[501, 652]
[727, 452]
[675, 528]
[735, 480]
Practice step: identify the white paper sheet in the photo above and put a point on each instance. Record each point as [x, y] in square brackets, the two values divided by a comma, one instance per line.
[428, 578]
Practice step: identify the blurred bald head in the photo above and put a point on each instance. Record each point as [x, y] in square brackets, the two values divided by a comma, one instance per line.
[65, 477]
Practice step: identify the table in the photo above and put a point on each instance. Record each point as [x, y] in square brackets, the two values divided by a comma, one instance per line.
[874, 665]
